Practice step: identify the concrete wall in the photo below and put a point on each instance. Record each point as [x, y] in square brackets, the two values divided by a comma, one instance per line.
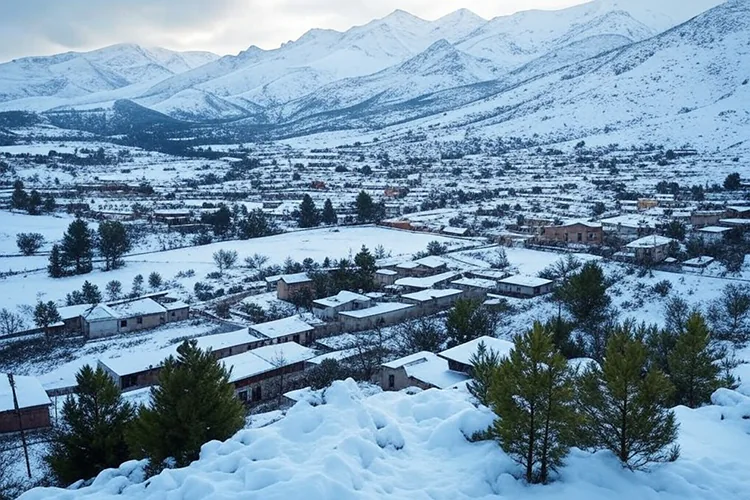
[400, 380]
[146, 322]
[104, 328]
[285, 291]
[178, 315]
[524, 291]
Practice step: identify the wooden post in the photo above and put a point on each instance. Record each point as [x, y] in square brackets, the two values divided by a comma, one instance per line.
[20, 424]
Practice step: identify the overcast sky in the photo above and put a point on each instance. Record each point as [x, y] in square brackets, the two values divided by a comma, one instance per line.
[41, 27]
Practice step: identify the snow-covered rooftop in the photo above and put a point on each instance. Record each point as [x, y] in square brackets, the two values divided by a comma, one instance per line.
[343, 297]
[246, 365]
[523, 280]
[427, 281]
[381, 308]
[291, 279]
[429, 368]
[714, 229]
[140, 307]
[386, 272]
[70, 312]
[289, 352]
[282, 327]
[431, 294]
[101, 312]
[224, 340]
[463, 353]
[29, 393]
[476, 283]
[650, 242]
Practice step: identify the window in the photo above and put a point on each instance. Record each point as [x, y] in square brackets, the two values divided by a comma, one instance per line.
[580, 237]
[296, 339]
[257, 394]
[129, 381]
[123, 323]
[391, 381]
[243, 396]
[140, 320]
[173, 314]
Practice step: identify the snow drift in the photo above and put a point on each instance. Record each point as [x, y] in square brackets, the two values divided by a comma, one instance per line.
[399, 445]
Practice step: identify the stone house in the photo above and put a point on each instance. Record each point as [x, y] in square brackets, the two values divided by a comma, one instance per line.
[712, 234]
[385, 277]
[103, 320]
[703, 218]
[424, 283]
[582, 233]
[429, 301]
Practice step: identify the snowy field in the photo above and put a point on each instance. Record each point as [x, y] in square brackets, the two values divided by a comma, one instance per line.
[51, 227]
[401, 446]
[317, 244]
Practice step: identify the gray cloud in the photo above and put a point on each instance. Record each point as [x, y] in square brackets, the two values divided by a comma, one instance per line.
[37, 27]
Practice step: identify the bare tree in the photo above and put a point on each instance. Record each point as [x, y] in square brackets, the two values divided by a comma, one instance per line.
[225, 259]
[10, 486]
[256, 261]
[280, 362]
[10, 322]
[423, 334]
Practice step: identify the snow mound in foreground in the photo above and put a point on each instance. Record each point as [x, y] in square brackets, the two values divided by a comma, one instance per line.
[401, 446]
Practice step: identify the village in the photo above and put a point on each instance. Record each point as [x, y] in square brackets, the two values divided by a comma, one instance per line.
[280, 292]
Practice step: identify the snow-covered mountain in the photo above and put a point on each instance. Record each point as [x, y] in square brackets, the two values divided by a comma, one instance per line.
[593, 68]
[77, 74]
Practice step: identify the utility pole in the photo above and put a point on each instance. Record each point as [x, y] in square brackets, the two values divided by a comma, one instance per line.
[20, 424]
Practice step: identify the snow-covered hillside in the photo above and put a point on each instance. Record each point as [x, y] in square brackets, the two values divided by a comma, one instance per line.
[75, 74]
[396, 445]
[601, 69]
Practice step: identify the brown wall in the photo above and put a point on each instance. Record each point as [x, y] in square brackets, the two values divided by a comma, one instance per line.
[150, 321]
[570, 234]
[285, 291]
[36, 417]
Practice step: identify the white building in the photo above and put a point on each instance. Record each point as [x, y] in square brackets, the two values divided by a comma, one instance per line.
[525, 286]
[291, 329]
[330, 307]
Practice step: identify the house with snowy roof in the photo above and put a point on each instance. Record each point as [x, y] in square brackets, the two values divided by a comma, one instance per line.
[523, 286]
[33, 404]
[289, 285]
[433, 300]
[459, 357]
[426, 266]
[424, 370]
[103, 320]
[381, 314]
[580, 233]
[329, 308]
[650, 249]
[256, 374]
[291, 329]
[434, 281]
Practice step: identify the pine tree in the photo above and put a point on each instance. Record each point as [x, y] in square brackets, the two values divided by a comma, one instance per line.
[90, 293]
[49, 203]
[194, 403]
[114, 242]
[365, 207]
[56, 268]
[625, 405]
[114, 289]
[34, 202]
[694, 364]
[92, 435]
[533, 395]
[19, 198]
[469, 320]
[155, 280]
[366, 268]
[329, 215]
[137, 288]
[46, 315]
[585, 297]
[308, 213]
[77, 246]
[485, 364]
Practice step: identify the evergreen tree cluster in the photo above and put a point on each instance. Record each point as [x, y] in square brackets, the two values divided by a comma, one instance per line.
[193, 403]
[622, 404]
[238, 222]
[32, 202]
